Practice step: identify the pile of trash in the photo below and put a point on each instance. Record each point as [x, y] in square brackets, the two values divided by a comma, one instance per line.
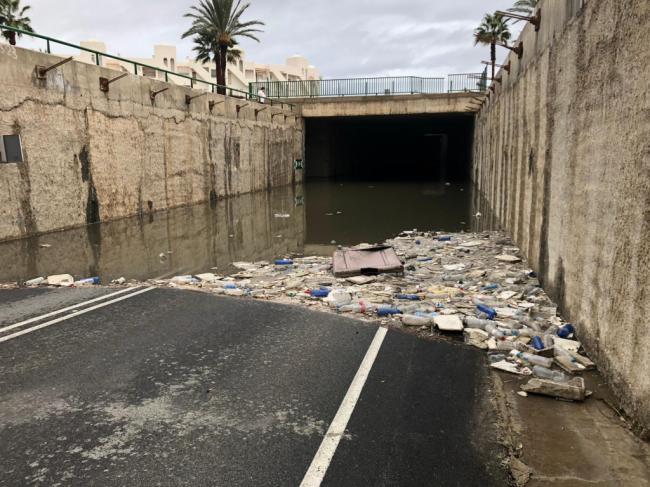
[472, 285]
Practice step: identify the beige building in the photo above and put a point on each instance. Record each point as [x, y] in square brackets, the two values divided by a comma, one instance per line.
[238, 74]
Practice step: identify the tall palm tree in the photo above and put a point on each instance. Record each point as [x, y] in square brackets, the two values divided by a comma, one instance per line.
[216, 24]
[14, 16]
[524, 7]
[492, 30]
[205, 48]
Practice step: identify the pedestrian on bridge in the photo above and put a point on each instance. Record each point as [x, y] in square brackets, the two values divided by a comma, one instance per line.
[261, 95]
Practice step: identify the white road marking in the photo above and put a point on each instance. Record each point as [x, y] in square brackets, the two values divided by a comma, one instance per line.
[321, 462]
[72, 315]
[65, 310]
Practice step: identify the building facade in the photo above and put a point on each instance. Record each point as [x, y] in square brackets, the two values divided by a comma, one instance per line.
[238, 75]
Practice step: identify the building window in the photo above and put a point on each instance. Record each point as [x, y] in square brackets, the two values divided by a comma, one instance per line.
[172, 64]
[11, 149]
[241, 65]
[214, 73]
[165, 62]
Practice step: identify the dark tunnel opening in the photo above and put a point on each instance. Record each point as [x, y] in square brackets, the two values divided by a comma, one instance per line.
[431, 148]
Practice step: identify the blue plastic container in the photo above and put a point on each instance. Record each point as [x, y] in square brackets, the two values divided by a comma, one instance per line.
[230, 286]
[538, 343]
[425, 259]
[444, 238]
[320, 293]
[388, 311]
[566, 330]
[284, 262]
[490, 287]
[490, 312]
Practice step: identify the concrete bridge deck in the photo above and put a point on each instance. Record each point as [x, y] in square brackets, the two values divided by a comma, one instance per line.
[382, 105]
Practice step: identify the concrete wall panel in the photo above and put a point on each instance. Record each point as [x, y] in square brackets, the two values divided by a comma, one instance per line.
[562, 156]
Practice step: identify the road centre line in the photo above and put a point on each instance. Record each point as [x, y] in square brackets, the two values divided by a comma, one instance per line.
[72, 315]
[321, 462]
[64, 310]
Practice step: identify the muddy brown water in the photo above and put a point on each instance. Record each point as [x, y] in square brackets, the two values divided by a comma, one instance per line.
[209, 237]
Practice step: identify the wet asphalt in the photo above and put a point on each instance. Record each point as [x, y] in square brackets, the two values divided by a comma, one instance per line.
[184, 388]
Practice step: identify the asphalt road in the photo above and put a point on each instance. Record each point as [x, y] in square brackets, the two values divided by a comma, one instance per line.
[182, 388]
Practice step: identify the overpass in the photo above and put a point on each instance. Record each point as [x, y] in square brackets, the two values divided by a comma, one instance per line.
[392, 128]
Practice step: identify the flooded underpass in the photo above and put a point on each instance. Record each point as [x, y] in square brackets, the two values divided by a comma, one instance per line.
[305, 219]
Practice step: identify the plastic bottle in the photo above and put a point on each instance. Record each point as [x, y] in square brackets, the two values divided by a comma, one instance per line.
[425, 259]
[490, 287]
[230, 286]
[35, 282]
[561, 352]
[385, 311]
[284, 262]
[338, 297]
[415, 320]
[494, 331]
[360, 307]
[471, 322]
[548, 374]
[408, 297]
[88, 280]
[444, 238]
[534, 359]
[548, 340]
[496, 358]
[490, 312]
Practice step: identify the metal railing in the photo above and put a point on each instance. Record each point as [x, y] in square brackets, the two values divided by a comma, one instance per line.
[139, 69]
[403, 85]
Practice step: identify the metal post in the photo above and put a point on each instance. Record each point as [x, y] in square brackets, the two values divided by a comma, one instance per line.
[49, 50]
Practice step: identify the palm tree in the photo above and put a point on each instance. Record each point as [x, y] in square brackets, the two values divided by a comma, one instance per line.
[524, 7]
[14, 16]
[493, 30]
[215, 26]
[205, 48]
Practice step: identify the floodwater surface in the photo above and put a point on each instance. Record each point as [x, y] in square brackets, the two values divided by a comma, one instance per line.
[309, 219]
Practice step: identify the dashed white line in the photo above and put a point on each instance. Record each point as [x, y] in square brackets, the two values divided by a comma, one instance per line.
[321, 462]
[72, 315]
[65, 310]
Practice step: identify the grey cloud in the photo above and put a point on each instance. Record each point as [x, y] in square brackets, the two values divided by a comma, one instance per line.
[342, 38]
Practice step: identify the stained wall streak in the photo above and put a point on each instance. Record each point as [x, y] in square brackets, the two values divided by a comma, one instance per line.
[565, 146]
[94, 156]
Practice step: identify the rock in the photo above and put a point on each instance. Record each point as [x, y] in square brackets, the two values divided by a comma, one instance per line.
[476, 337]
[361, 280]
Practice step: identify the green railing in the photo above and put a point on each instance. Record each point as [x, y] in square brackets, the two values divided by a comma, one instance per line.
[403, 85]
[140, 68]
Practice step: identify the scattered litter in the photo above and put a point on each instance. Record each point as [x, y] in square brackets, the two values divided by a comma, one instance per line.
[522, 393]
[118, 281]
[430, 284]
[89, 281]
[45, 246]
[282, 215]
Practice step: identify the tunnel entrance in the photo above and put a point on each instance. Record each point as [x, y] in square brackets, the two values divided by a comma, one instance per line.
[432, 148]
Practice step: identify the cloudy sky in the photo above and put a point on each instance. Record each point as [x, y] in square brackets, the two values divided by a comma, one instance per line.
[342, 38]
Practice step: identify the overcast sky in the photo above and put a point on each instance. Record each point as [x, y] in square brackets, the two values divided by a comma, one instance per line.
[342, 38]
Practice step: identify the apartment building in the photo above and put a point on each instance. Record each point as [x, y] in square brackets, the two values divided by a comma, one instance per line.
[238, 75]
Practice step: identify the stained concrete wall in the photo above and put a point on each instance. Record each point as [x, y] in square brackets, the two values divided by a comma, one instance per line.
[562, 156]
[92, 155]
[361, 106]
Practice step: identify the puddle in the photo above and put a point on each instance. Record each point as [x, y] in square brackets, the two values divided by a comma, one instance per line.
[243, 228]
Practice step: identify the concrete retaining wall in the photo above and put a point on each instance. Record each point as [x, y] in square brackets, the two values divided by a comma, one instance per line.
[562, 156]
[91, 155]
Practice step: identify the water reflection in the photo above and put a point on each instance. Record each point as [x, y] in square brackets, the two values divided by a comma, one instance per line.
[244, 228]
[183, 240]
